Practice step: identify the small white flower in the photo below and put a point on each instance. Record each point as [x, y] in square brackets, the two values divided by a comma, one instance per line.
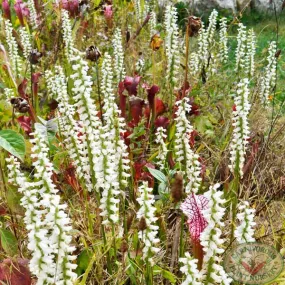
[213, 272]
[250, 53]
[241, 48]
[223, 44]
[245, 232]
[147, 212]
[26, 42]
[190, 270]
[162, 151]
[187, 159]
[241, 131]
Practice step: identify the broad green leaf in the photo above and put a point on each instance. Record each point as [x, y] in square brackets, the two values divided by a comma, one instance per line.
[165, 273]
[82, 261]
[13, 142]
[9, 242]
[158, 175]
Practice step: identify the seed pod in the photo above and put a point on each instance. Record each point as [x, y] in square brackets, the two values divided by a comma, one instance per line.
[21, 105]
[277, 54]
[93, 53]
[35, 56]
[177, 188]
[195, 25]
[142, 224]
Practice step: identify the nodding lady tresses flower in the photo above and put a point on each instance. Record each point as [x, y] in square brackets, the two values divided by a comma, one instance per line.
[153, 23]
[223, 43]
[194, 63]
[172, 44]
[75, 137]
[15, 60]
[33, 13]
[81, 91]
[190, 270]
[245, 232]
[269, 79]
[187, 159]
[147, 213]
[203, 46]
[250, 53]
[213, 272]
[26, 42]
[67, 35]
[241, 132]
[212, 27]
[138, 10]
[119, 55]
[241, 48]
[162, 151]
[113, 164]
[49, 225]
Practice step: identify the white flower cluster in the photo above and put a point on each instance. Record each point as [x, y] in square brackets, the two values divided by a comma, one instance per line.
[15, 60]
[9, 94]
[268, 81]
[147, 212]
[74, 133]
[162, 152]
[212, 27]
[119, 55]
[250, 53]
[113, 164]
[223, 41]
[138, 10]
[153, 23]
[194, 63]
[33, 13]
[213, 272]
[190, 270]
[67, 34]
[172, 44]
[140, 65]
[145, 9]
[203, 48]
[241, 48]
[241, 131]
[26, 42]
[48, 224]
[245, 232]
[187, 159]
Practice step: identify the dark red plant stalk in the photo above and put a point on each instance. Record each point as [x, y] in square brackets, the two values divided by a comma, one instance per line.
[25, 123]
[136, 108]
[35, 83]
[6, 9]
[21, 11]
[192, 207]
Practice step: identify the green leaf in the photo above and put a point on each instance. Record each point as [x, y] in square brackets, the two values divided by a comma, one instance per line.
[13, 142]
[165, 273]
[158, 175]
[9, 242]
[82, 261]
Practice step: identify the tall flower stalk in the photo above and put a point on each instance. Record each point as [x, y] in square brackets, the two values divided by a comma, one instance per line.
[213, 272]
[148, 228]
[45, 217]
[172, 47]
[26, 42]
[241, 48]
[250, 53]
[162, 152]
[187, 160]
[268, 81]
[223, 41]
[244, 231]
[118, 56]
[241, 131]
[15, 60]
